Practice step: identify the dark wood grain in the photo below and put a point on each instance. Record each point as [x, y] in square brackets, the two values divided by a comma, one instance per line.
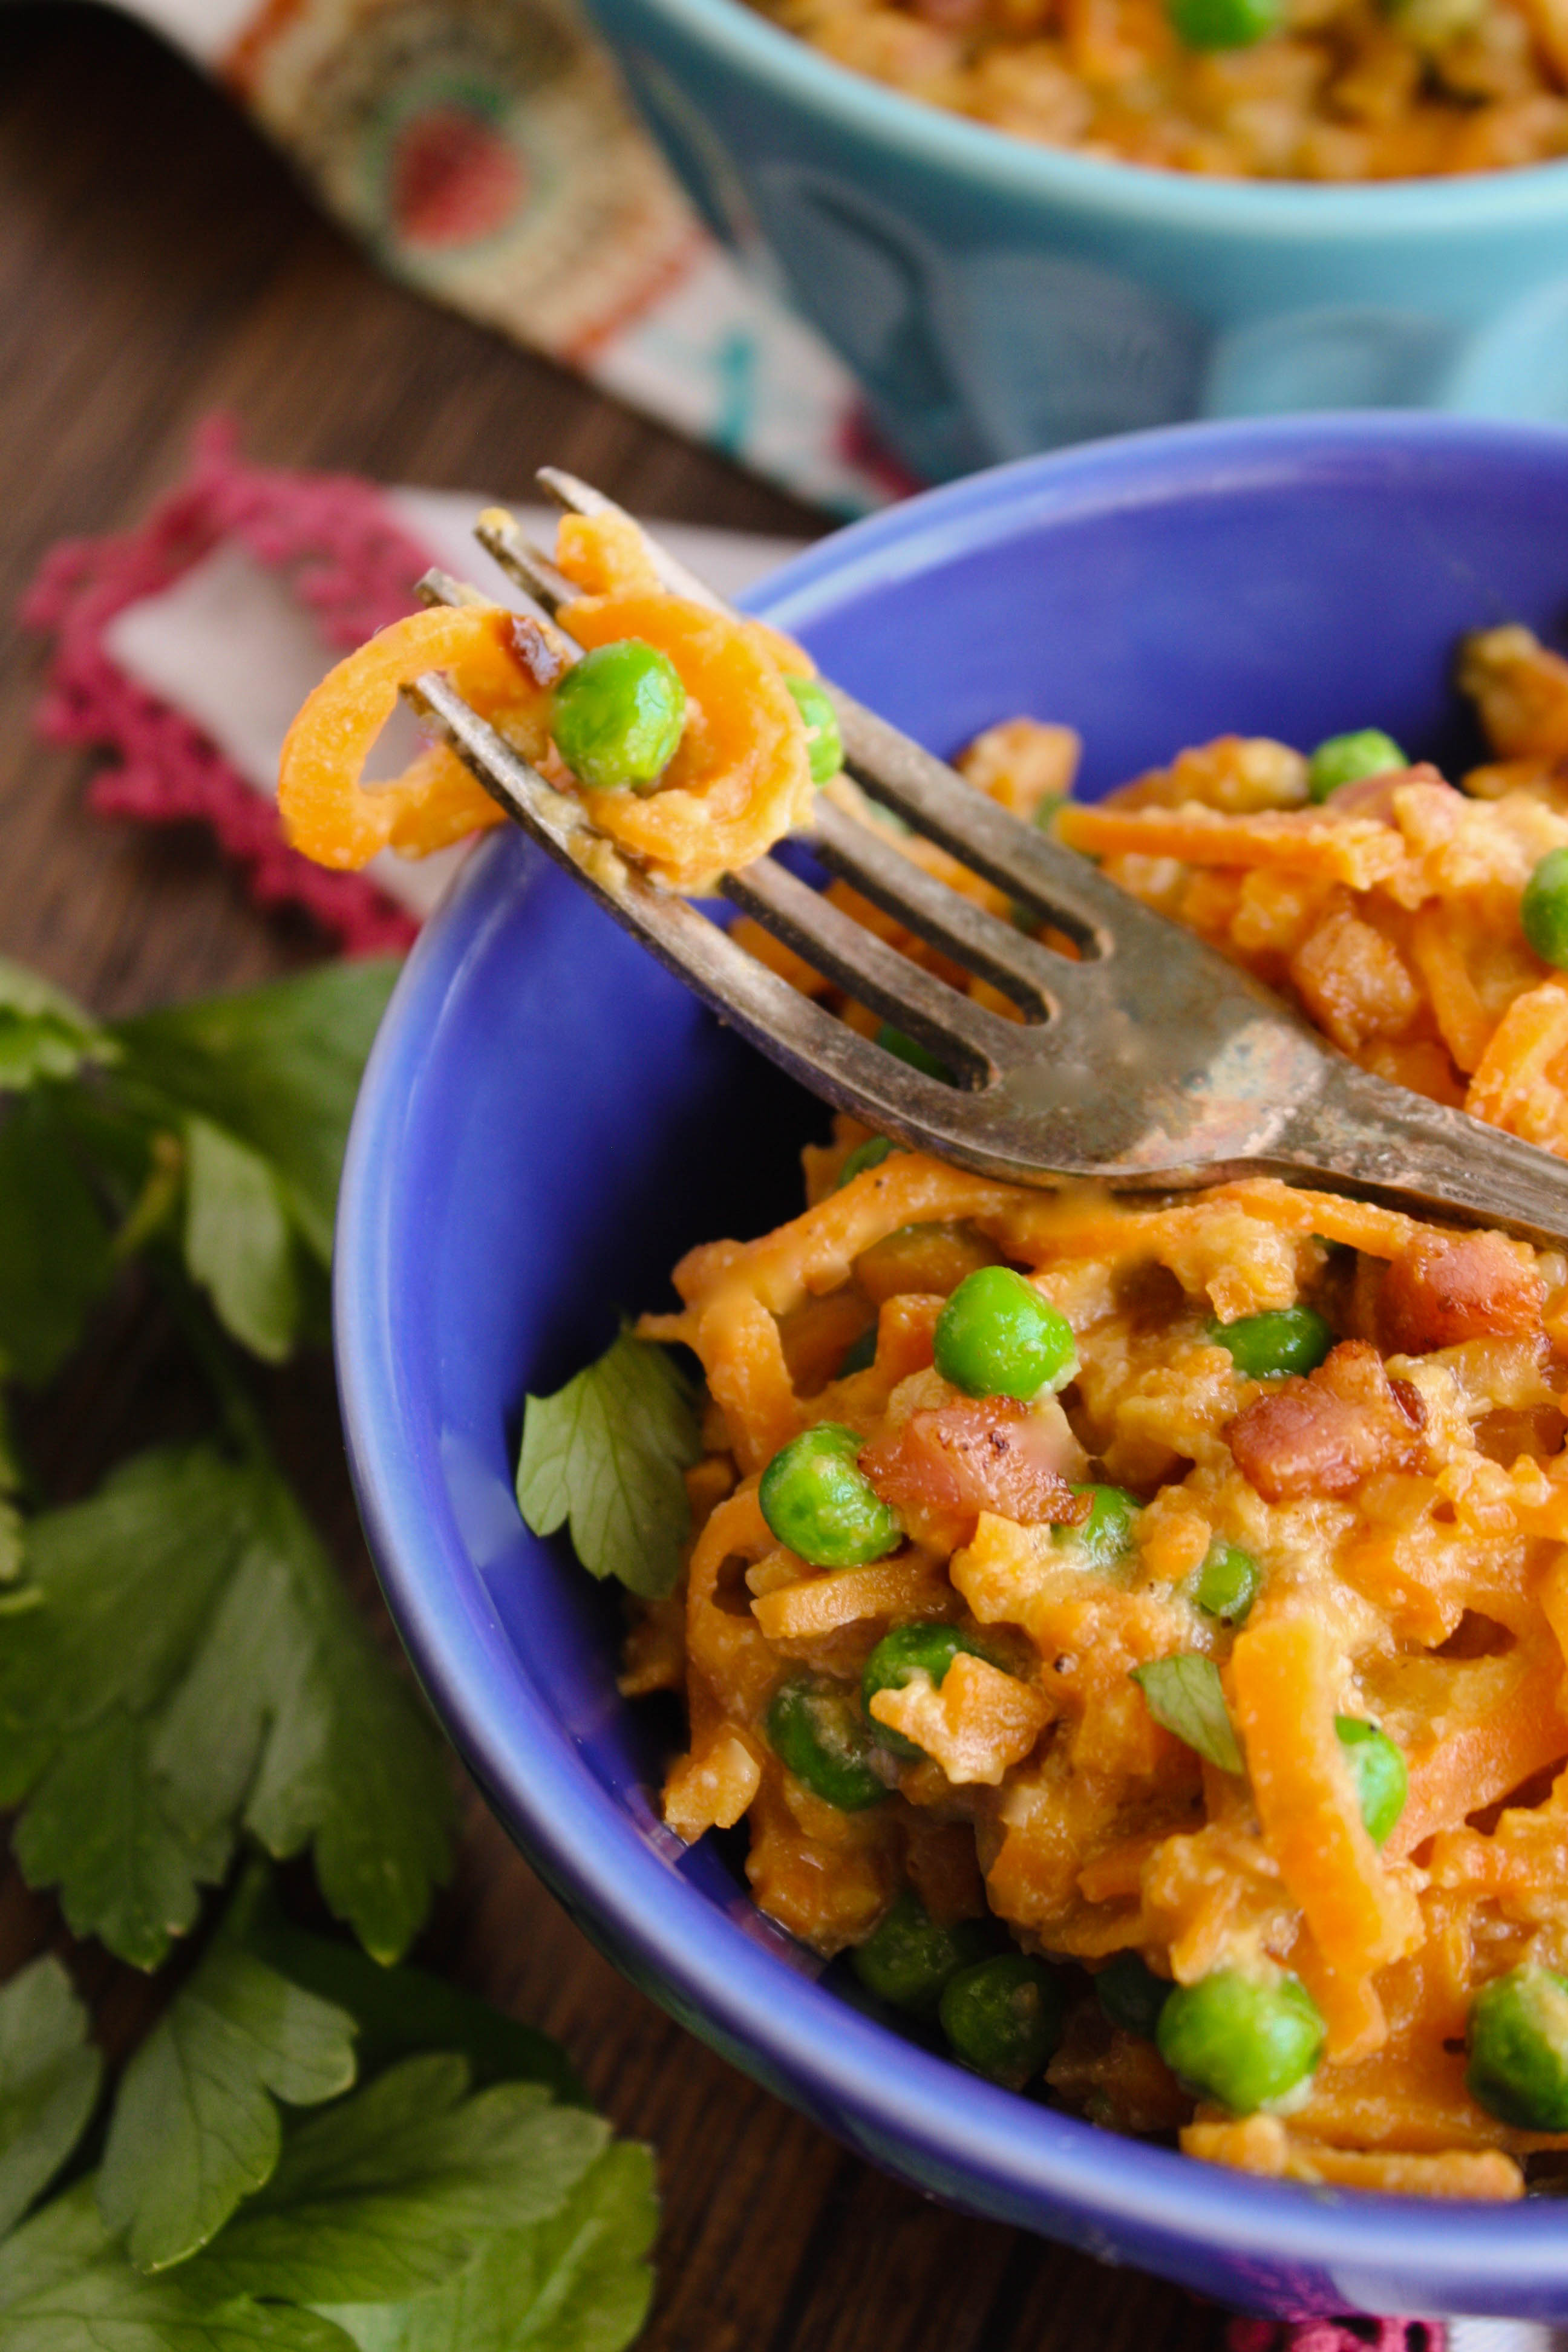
[157, 262]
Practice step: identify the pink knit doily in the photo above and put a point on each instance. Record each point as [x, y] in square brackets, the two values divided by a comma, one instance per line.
[349, 563]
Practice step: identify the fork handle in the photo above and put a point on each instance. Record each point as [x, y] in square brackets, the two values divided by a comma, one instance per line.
[1383, 1140]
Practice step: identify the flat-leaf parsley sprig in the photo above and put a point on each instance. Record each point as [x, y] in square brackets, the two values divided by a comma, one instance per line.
[606, 1453]
[263, 2182]
[312, 2149]
[182, 1667]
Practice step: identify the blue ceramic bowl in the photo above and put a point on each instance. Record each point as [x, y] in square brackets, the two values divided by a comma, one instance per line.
[995, 297]
[548, 1118]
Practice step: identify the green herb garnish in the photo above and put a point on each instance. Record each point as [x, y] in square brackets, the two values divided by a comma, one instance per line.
[1184, 1695]
[605, 1452]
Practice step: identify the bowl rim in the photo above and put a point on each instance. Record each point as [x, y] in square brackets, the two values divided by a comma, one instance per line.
[997, 2152]
[1248, 211]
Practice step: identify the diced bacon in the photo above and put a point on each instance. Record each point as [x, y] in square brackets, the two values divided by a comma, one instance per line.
[537, 654]
[1324, 1435]
[1443, 1288]
[990, 1455]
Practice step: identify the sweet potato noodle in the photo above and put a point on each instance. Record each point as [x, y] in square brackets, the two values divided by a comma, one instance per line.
[739, 778]
[1302, 89]
[1405, 1500]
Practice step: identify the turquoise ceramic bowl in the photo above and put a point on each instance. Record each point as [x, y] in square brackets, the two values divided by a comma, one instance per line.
[997, 297]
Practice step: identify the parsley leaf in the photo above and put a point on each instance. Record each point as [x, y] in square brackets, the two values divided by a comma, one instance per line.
[44, 1034]
[54, 1257]
[65, 2284]
[48, 2081]
[349, 1761]
[401, 2012]
[574, 2282]
[277, 1068]
[10, 1517]
[100, 1828]
[195, 2129]
[394, 2189]
[414, 2215]
[1184, 1695]
[194, 1665]
[239, 1242]
[606, 1452]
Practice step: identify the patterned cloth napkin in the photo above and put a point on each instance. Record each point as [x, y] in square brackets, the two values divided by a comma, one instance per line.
[182, 650]
[482, 149]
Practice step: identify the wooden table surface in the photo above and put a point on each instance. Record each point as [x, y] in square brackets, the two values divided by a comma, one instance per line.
[157, 263]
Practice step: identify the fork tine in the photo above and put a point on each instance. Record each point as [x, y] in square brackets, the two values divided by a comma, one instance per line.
[948, 1024]
[1031, 975]
[819, 1050]
[501, 537]
[964, 1036]
[578, 496]
[1058, 885]
[438, 587]
[918, 786]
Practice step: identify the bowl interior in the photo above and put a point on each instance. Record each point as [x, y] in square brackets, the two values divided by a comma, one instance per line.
[549, 1119]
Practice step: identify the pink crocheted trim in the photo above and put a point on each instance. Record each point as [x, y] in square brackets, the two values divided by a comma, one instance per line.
[349, 563]
[1335, 2335]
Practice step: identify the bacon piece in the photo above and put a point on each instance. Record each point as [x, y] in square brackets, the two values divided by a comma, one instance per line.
[957, 1460]
[1443, 1288]
[1324, 1435]
[535, 653]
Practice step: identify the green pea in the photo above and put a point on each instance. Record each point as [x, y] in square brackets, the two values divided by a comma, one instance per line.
[906, 1651]
[1518, 2048]
[908, 1959]
[815, 1729]
[1004, 2017]
[817, 1500]
[1241, 2037]
[1378, 1771]
[1543, 909]
[869, 1154]
[823, 744]
[1131, 1996]
[617, 714]
[997, 1337]
[1226, 1585]
[910, 1050]
[1282, 1339]
[1345, 758]
[1224, 24]
[1048, 808]
[1104, 1540]
[859, 1355]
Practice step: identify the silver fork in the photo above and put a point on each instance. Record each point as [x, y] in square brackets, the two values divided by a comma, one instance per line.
[1148, 1063]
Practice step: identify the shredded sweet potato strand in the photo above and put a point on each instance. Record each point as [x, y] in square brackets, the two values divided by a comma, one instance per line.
[739, 779]
[328, 812]
[1286, 1676]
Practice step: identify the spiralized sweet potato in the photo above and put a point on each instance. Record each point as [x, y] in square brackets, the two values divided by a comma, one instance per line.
[1096, 1830]
[1407, 1501]
[329, 813]
[739, 778]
